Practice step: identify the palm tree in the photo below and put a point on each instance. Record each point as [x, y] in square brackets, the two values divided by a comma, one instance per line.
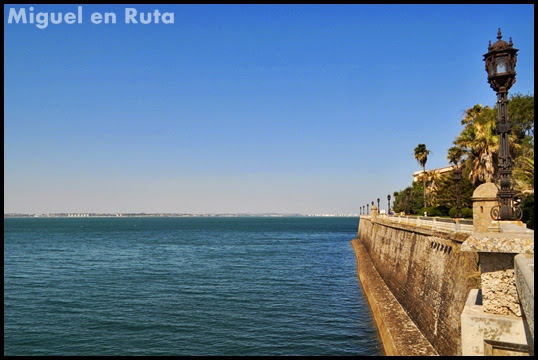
[471, 114]
[421, 155]
[455, 154]
[480, 141]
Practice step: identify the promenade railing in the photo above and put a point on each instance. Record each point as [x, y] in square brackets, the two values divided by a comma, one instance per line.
[430, 222]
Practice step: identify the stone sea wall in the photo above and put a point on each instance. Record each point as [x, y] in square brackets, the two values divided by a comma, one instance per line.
[428, 275]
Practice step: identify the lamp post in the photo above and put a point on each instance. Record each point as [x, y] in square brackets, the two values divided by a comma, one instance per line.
[408, 191]
[457, 178]
[367, 210]
[501, 61]
[388, 200]
[378, 208]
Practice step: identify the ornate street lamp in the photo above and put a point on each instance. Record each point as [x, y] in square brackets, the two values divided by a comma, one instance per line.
[367, 210]
[408, 191]
[501, 61]
[457, 178]
[388, 200]
[378, 208]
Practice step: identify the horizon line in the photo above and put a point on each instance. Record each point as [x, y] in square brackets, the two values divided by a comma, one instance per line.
[119, 214]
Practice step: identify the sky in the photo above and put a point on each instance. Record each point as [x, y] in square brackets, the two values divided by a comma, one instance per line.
[309, 109]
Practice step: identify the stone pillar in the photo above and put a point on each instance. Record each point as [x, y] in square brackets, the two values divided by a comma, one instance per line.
[496, 252]
[457, 226]
[374, 213]
[484, 199]
[485, 318]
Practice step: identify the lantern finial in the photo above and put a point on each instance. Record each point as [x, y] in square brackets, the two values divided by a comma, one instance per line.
[499, 34]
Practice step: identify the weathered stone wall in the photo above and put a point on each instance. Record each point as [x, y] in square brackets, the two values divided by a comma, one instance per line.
[427, 274]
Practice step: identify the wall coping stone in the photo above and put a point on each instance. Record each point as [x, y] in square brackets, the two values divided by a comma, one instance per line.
[514, 227]
[491, 242]
[453, 235]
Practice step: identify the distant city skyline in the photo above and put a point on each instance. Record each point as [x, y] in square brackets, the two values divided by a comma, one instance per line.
[90, 215]
[309, 109]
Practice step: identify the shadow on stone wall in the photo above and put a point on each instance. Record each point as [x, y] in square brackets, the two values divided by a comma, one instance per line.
[428, 275]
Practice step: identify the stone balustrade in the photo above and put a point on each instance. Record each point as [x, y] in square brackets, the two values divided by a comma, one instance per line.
[429, 222]
[498, 311]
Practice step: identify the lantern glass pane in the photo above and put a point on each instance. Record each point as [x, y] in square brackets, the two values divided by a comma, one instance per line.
[501, 66]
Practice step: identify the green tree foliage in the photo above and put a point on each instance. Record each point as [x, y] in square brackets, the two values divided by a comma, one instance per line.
[521, 112]
[446, 190]
[465, 212]
[524, 175]
[479, 142]
[528, 211]
[476, 152]
[415, 203]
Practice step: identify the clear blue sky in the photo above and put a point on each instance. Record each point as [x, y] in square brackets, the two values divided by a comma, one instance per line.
[242, 108]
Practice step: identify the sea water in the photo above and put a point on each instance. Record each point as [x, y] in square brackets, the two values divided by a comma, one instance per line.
[184, 286]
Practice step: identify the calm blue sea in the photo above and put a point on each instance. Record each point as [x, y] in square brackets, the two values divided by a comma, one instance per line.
[184, 286]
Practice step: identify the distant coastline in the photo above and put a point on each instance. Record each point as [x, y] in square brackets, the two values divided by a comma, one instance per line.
[88, 215]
